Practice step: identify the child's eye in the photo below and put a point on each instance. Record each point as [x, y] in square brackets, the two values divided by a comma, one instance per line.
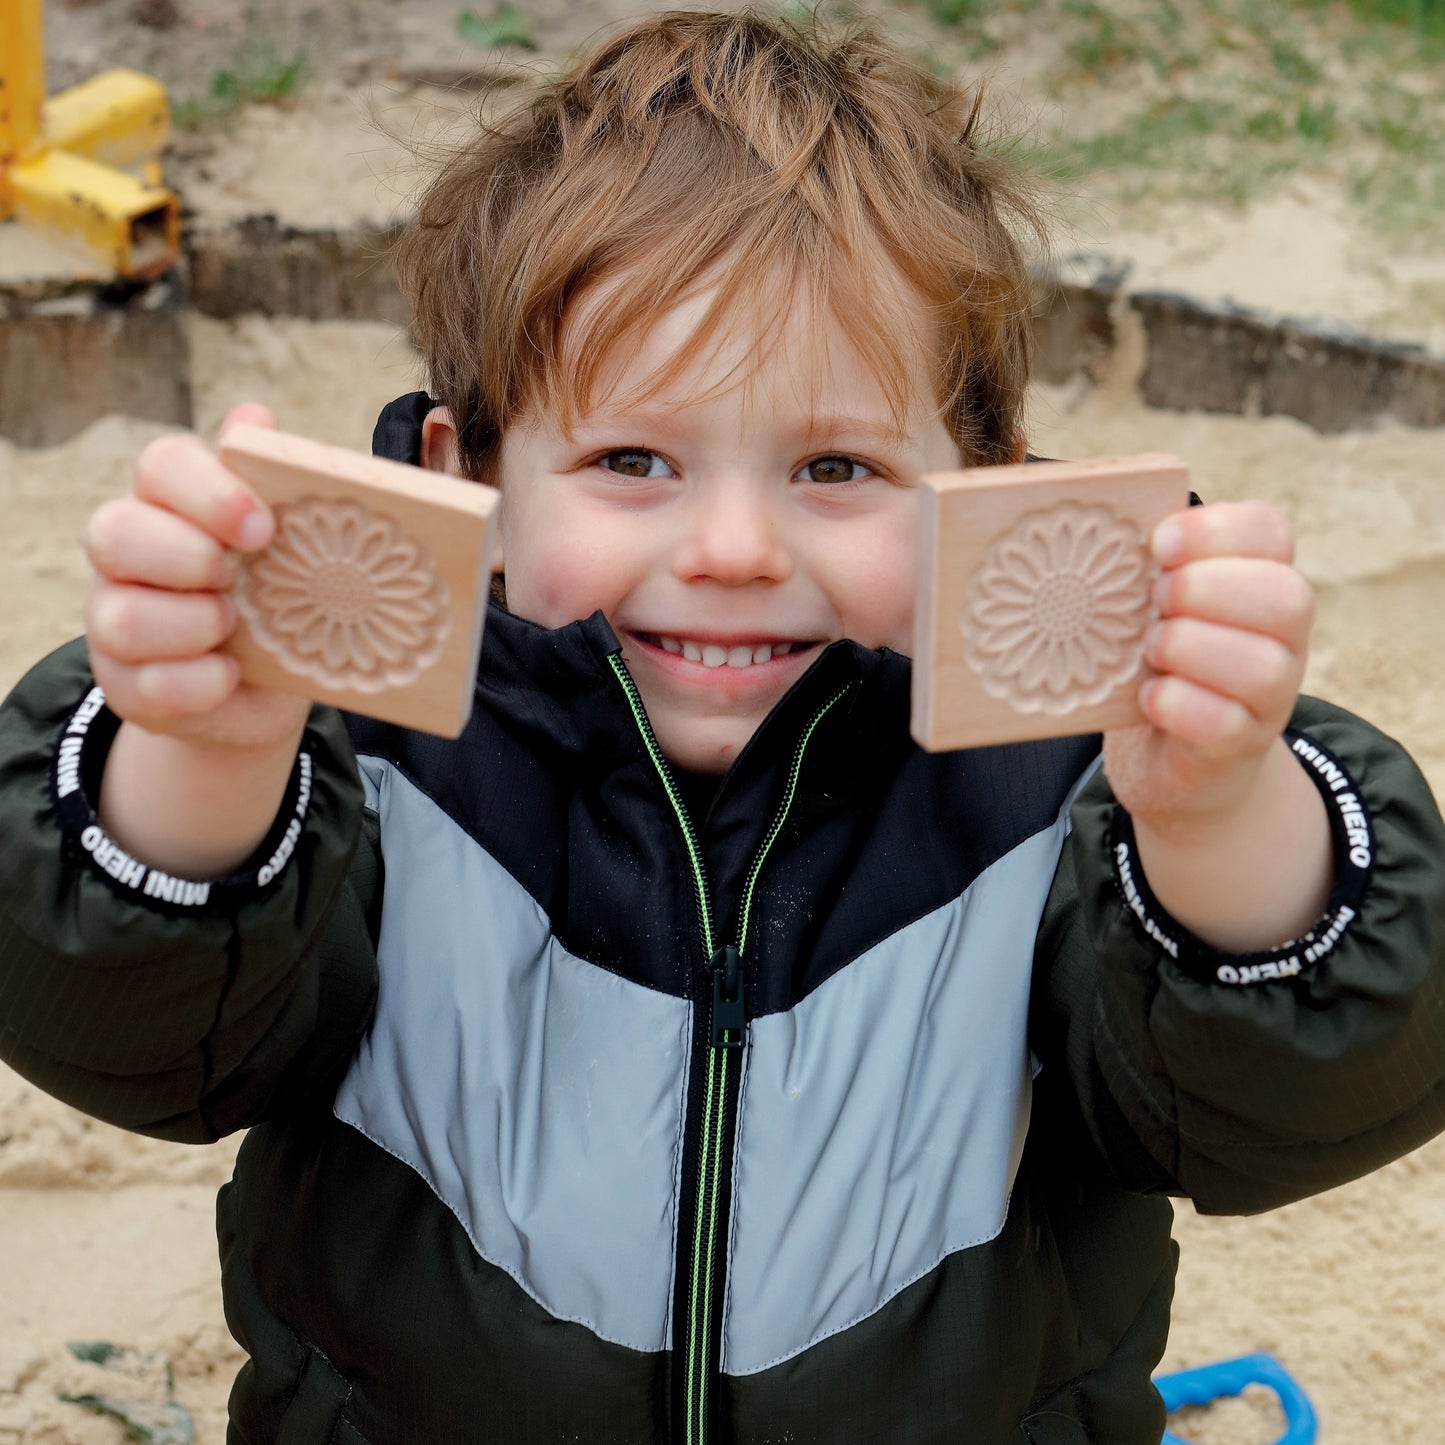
[833, 470]
[635, 462]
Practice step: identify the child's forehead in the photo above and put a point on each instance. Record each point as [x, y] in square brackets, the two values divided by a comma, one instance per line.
[779, 341]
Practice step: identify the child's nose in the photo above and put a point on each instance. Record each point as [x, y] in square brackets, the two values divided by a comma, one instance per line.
[733, 536]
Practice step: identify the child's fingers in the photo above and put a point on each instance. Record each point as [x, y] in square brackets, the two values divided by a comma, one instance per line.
[162, 695]
[128, 540]
[1256, 594]
[178, 472]
[1213, 725]
[252, 413]
[1257, 671]
[1224, 529]
[143, 624]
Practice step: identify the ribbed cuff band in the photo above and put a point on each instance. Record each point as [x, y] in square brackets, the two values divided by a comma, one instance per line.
[1354, 850]
[79, 762]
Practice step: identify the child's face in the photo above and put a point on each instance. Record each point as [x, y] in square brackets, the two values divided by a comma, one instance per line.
[725, 543]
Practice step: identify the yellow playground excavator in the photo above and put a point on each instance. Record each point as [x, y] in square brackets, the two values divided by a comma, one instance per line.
[84, 161]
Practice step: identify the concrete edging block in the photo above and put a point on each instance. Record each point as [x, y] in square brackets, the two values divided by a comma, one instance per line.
[71, 353]
[1073, 315]
[260, 266]
[1225, 358]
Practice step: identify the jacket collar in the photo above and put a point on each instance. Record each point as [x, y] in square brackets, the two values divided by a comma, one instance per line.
[557, 686]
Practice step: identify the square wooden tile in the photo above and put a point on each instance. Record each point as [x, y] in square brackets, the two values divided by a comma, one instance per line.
[373, 592]
[1034, 597]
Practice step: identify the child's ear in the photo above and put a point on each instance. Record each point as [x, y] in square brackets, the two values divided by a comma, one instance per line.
[1021, 447]
[439, 451]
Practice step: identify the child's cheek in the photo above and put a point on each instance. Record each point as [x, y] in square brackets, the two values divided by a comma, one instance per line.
[556, 582]
[885, 583]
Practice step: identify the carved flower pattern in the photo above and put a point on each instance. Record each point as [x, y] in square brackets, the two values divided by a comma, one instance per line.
[1057, 611]
[345, 597]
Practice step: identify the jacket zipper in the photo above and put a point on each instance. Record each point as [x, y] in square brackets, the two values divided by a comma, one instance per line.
[725, 1036]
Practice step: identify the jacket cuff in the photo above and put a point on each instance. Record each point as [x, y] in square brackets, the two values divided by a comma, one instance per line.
[79, 762]
[1354, 852]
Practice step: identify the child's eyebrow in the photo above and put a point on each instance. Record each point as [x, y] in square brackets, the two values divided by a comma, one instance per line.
[831, 428]
[876, 433]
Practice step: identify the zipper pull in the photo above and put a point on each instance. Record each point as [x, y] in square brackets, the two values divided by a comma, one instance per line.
[729, 1009]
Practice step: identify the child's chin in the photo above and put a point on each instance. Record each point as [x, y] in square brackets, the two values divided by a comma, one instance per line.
[702, 746]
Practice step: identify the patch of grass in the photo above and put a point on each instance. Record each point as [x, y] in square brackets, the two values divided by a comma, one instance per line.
[1199, 148]
[506, 25]
[1402, 183]
[1268, 125]
[1423, 17]
[955, 12]
[1316, 122]
[261, 72]
[1401, 123]
[1108, 41]
[970, 20]
[1109, 37]
[1292, 64]
[1245, 175]
[1154, 138]
[1402, 202]
[1224, 100]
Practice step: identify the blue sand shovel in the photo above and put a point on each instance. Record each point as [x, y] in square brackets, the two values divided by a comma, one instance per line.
[1229, 1377]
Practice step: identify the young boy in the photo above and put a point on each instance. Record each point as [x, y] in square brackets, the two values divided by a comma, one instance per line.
[682, 1055]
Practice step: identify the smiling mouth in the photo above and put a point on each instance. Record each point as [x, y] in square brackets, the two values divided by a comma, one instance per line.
[712, 654]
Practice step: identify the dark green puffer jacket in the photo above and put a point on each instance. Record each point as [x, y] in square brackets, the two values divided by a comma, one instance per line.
[843, 1113]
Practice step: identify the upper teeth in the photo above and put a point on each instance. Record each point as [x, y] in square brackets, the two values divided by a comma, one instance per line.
[711, 655]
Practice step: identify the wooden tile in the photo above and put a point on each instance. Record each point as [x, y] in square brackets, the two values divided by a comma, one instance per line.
[1034, 596]
[373, 592]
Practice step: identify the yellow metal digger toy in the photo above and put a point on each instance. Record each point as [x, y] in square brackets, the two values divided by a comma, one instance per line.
[84, 161]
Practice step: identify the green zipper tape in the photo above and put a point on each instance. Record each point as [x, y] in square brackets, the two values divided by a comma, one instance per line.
[709, 1181]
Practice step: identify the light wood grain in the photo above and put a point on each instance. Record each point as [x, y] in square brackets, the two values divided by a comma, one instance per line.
[1033, 597]
[372, 594]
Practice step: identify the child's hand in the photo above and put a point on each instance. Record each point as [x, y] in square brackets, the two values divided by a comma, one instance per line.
[1231, 833]
[164, 559]
[1230, 645]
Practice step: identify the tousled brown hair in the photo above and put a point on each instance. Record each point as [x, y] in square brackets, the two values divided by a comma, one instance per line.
[695, 147]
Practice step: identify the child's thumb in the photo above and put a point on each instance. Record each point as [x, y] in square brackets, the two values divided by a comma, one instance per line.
[250, 413]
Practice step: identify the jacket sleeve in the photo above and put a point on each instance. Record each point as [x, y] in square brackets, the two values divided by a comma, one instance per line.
[1247, 1082]
[180, 1008]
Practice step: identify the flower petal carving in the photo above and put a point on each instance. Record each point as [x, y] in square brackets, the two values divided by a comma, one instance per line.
[344, 596]
[1057, 610]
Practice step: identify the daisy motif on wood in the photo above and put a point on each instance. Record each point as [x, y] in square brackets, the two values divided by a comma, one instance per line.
[345, 597]
[1057, 611]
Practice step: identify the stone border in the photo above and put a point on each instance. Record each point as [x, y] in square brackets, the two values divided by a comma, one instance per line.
[1074, 317]
[260, 265]
[1201, 356]
[72, 352]
[1231, 359]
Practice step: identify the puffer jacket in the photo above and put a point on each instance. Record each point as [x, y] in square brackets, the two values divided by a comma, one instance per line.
[846, 1112]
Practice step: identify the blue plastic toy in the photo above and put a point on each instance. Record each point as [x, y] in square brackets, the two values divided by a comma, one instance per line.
[1229, 1377]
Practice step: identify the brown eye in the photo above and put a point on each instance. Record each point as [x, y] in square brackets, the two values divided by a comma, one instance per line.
[831, 470]
[634, 462]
